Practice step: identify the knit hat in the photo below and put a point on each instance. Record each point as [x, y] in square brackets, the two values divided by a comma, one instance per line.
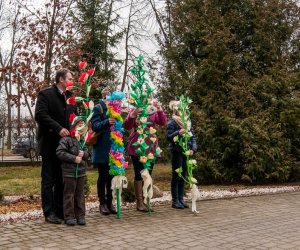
[174, 106]
[74, 119]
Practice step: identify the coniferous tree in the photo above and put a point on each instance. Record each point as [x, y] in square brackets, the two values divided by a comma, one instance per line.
[96, 21]
[239, 62]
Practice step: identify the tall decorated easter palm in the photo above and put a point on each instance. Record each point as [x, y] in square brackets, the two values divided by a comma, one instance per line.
[84, 88]
[139, 99]
[183, 142]
[116, 154]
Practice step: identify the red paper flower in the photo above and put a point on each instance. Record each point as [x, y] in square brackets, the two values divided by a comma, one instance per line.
[72, 117]
[83, 77]
[72, 133]
[70, 85]
[91, 72]
[82, 65]
[71, 100]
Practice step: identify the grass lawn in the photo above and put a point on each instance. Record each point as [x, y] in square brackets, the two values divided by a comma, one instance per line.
[27, 180]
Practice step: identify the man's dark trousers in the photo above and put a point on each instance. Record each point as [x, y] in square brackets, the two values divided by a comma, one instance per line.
[52, 186]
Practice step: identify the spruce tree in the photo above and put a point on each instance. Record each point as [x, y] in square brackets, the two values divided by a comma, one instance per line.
[96, 21]
[239, 62]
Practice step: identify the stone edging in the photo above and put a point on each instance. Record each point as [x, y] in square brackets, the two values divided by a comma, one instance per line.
[204, 195]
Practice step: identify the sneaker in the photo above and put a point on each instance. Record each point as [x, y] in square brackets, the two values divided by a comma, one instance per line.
[177, 205]
[183, 204]
[81, 221]
[53, 219]
[70, 222]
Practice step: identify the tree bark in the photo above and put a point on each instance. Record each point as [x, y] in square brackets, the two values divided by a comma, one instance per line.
[126, 48]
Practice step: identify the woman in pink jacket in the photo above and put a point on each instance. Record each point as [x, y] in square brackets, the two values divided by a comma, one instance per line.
[156, 117]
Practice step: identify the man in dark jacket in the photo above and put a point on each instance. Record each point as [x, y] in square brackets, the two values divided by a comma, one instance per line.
[52, 114]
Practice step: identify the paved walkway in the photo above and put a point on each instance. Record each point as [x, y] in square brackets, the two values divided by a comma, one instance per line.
[261, 222]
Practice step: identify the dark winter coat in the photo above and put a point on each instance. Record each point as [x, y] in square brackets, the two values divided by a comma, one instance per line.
[100, 123]
[52, 114]
[66, 152]
[173, 130]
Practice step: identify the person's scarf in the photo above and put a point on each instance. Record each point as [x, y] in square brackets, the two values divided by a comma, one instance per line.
[179, 121]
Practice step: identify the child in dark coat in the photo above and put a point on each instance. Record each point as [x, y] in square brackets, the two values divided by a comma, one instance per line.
[175, 128]
[74, 164]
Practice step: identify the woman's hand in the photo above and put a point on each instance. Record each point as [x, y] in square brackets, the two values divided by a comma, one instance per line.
[135, 113]
[112, 121]
[157, 105]
[181, 131]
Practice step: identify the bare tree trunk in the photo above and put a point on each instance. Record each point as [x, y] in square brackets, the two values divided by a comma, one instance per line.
[8, 103]
[159, 21]
[19, 111]
[106, 35]
[126, 48]
[49, 48]
[8, 85]
[29, 107]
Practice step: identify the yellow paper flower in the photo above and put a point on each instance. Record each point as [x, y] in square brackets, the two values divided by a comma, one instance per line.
[143, 120]
[150, 156]
[131, 100]
[175, 139]
[158, 150]
[194, 180]
[187, 153]
[152, 130]
[193, 162]
[140, 131]
[153, 139]
[143, 159]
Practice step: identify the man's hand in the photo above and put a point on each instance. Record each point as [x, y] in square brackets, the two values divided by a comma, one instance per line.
[78, 159]
[191, 152]
[80, 153]
[181, 131]
[64, 132]
[112, 121]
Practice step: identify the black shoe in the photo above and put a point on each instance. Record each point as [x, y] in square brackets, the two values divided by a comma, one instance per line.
[104, 210]
[70, 222]
[81, 221]
[183, 204]
[52, 218]
[177, 205]
[111, 208]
